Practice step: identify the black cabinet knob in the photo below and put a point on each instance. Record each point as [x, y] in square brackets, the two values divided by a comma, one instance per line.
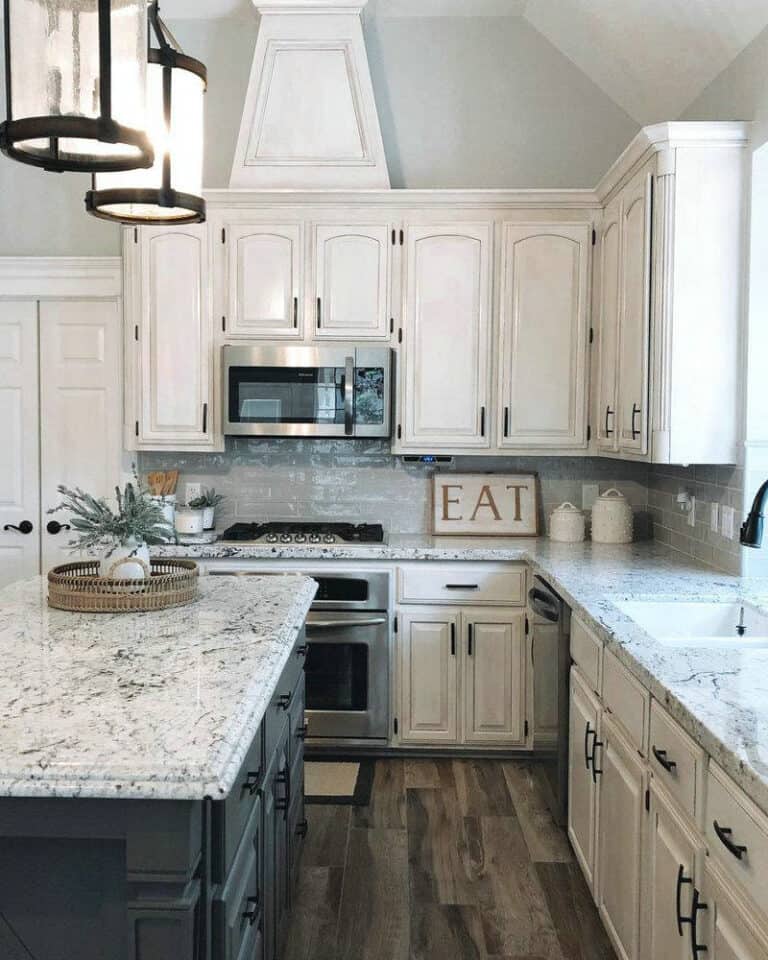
[24, 527]
[54, 527]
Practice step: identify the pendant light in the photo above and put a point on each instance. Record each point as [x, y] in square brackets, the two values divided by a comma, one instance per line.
[75, 82]
[170, 192]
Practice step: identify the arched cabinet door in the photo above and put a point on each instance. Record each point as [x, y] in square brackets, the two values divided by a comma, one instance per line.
[264, 269]
[351, 281]
[608, 313]
[544, 336]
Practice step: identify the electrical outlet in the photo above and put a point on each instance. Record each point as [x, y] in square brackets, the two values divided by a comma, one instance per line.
[727, 517]
[192, 491]
[714, 517]
[589, 493]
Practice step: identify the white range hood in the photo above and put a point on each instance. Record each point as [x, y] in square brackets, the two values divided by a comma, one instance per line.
[310, 120]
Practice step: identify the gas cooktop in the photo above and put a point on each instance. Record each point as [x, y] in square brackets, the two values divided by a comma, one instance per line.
[299, 532]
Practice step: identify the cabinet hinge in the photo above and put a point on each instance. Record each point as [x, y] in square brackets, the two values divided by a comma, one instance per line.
[399, 432]
[591, 334]
[394, 624]
[527, 626]
[136, 333]
[589, 433]
[525, 729]
[137, 428]
[594, 236]
[223, 235]
[395, 725]
[647, 799]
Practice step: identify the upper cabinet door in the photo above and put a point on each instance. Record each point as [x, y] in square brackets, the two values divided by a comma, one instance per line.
[608, 328]
[543, 374]
[265, 280]
[634, 329]
[19, 451]
[175, 339]
[352, 281]
[447, 309]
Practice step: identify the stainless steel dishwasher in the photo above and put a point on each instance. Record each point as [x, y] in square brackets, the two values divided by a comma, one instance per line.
[551, 653]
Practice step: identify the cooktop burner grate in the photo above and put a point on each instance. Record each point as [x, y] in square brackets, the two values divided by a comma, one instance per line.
[300, 532]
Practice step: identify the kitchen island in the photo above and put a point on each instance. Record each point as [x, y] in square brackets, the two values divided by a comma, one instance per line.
[151, 771]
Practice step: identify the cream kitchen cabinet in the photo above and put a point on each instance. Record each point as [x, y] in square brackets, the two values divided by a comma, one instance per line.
[544, 351]
[445, 357]
[462, 676]
[608, 311]
[583, 735]
[172, 364]
[727, 926]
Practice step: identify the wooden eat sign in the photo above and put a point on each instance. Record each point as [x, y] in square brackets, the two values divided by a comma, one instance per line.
[485, 505]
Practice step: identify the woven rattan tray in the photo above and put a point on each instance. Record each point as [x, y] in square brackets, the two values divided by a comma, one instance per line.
[78, 587]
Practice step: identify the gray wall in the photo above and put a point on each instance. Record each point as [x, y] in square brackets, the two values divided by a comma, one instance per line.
[464, 102]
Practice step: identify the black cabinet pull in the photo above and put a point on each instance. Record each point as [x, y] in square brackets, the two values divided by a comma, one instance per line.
[588, 732]
[205, 418]
[252, 781]
[596, 771]
[482, 421]
[252, 915]
[295, 313]
[470, 637]
[696, 906]
[284, 701]
[724, 835]
[302, 650]
[284, 777]
[681, 879]
[635, 411]
[54, 527]
[462, 586]
[302, 828]
[24, 527]
[661, 756]
[319, 313]
[608, 413]
[453, 639]
[301, 733]
[506, 421]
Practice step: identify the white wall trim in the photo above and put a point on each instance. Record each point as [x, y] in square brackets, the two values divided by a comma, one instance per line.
[406, 199]
[60, 277]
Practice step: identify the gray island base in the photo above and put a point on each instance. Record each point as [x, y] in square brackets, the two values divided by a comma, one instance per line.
[151, 774]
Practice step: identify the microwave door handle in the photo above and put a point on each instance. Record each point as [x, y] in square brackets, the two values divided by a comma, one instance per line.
[349, 397]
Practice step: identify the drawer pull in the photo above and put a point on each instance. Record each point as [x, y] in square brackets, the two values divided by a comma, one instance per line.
[302, 650]
[252, 781]
[724, 835]
[284, 777]
[302, 828]
[588, 732]
[284, 701]
[301, 733]
[595, 770]
[462, 586]
[681, 879]
[696, 906]
[661, 757]
[252, 915]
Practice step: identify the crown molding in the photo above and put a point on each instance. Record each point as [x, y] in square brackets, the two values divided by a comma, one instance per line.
[61, 277]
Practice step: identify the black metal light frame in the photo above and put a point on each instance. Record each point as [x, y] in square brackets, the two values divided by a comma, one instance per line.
[103, 128]
[170, 58]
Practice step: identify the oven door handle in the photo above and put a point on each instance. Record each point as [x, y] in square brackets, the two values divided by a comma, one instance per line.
[349, 397]
[329, 624]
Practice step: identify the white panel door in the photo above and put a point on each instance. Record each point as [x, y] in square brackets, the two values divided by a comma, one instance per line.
[447, 310]
[725, 928]
[670, 878]
[429, 677]
[634, 329]
[608, 327]
[19, 468]
[621, 798]
[582, 790]
[80, 409]
[352, 281]
[265, 280]
[544, 335]
[175, 340]
[494, 672]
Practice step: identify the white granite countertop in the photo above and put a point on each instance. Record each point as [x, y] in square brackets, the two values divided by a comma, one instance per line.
[160, 705]
[719, 695]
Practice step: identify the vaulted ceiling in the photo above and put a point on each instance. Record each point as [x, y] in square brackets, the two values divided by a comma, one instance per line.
[652, 57]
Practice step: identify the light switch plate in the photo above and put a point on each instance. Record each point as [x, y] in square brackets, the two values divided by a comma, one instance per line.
[589, 493]
[192, 491]
[714, 517]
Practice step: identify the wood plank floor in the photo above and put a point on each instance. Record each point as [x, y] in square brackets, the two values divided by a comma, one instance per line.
[452, 860]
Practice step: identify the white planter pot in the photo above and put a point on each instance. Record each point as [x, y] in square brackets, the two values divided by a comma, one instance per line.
[129, 562]
[189, 521]
[209, 518]
[167, 503]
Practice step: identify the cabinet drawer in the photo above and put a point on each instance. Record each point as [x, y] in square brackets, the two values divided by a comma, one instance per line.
[676, 760]
[739, 824]
[627, 699]
[237, 908]
[587, 653]
[231, 815]
[462, 583]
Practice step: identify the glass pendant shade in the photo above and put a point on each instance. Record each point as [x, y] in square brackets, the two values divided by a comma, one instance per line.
[75, 78]
[170, 191]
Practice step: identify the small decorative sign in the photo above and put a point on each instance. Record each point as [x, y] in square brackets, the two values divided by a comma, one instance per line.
[485, 505]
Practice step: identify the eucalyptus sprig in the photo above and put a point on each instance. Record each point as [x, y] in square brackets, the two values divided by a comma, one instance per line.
[136, 518]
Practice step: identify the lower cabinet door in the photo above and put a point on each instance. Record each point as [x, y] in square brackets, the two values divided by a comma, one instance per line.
[726, 924]
[582, 782]
[621, 808]
[238, 909]
[671, 876]
[494, 689]
[429, 676]
[277, 797]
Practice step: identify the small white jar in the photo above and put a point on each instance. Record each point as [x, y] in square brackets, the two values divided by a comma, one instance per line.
[189, 521]
[567, 524]
[612, 518]
[167, 503]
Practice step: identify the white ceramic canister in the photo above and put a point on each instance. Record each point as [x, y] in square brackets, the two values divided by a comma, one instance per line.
[612, 518]
[189, 521]
[167, 502]
[567, 524]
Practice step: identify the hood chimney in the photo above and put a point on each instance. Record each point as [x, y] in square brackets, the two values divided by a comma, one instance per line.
[310, 120]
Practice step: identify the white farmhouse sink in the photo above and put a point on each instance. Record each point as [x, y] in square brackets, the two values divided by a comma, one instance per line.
[695, 623]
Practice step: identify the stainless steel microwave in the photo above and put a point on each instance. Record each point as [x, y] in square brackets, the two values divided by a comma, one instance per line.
[285, 391]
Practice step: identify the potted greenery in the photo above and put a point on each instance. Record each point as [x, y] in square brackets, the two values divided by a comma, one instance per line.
[207, 502]
[123, 535]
